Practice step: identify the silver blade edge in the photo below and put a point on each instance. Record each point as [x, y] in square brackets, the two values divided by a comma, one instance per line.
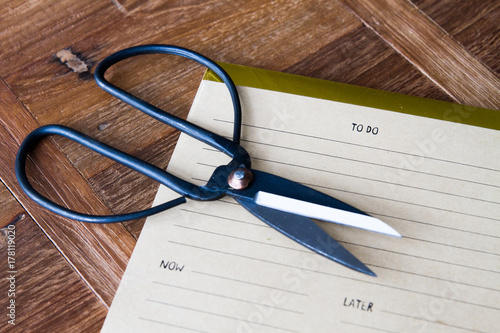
[323, 213]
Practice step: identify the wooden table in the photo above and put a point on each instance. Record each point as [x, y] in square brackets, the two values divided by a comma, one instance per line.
[67, 272]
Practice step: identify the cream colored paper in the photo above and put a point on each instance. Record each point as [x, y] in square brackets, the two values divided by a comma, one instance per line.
[213, 267]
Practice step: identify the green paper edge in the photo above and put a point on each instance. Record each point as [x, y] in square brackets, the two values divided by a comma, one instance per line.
[346, 93]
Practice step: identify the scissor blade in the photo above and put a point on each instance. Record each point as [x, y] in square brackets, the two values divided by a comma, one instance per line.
[325, 213]
[304, 231]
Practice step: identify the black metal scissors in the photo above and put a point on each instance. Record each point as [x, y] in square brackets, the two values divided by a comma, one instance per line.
[284, 205]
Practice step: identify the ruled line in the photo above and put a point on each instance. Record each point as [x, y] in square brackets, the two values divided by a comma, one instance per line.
[433, 322]
[369, 264]
[240, 238]
[262, 225]
[173, 325]
[226, 297]
[357, 145]
[405, 202]
[423, 275]
[430, 259]
[420, 293]
[335, 275]
[433, 277]
[376, 180]
[371, 163]
[454, 246]
[249, 282]
[434, 225]
[368, 327]
[219, 315]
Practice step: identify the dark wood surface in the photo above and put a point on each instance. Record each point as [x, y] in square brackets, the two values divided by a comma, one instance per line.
[68, 272]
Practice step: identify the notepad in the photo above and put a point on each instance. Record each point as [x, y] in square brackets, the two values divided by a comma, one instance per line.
[429, 169]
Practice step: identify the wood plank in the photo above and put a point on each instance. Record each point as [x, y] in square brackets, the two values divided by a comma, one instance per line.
[361, 58]
[37, 28]
[431, 49]
[49, 295]
[98, 252]
[8, 204]
[478, 31]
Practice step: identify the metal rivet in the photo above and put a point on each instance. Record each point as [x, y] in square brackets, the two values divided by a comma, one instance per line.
[239, 174]
[240, 178]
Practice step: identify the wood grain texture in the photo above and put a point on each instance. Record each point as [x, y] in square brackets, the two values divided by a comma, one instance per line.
[360, 58]
[49, 295]
[441, 49]
[9, 205]
[478, 31]
[431, 49]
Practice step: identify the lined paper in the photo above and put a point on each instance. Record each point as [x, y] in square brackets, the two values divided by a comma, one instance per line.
[213, 267]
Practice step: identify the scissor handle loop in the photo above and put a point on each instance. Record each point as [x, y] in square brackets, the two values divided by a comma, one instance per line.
[228, 147]
[186, 189]
[143, 167]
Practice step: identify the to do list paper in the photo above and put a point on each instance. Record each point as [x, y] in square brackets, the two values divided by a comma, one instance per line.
[213, 267]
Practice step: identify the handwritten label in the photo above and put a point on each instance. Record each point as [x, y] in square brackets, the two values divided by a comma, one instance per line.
[171, 266]
[358, 304]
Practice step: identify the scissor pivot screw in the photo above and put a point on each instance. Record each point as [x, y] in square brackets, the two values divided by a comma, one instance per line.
[240, 178]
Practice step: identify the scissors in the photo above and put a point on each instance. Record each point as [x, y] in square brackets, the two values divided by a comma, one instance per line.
[285, 205]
